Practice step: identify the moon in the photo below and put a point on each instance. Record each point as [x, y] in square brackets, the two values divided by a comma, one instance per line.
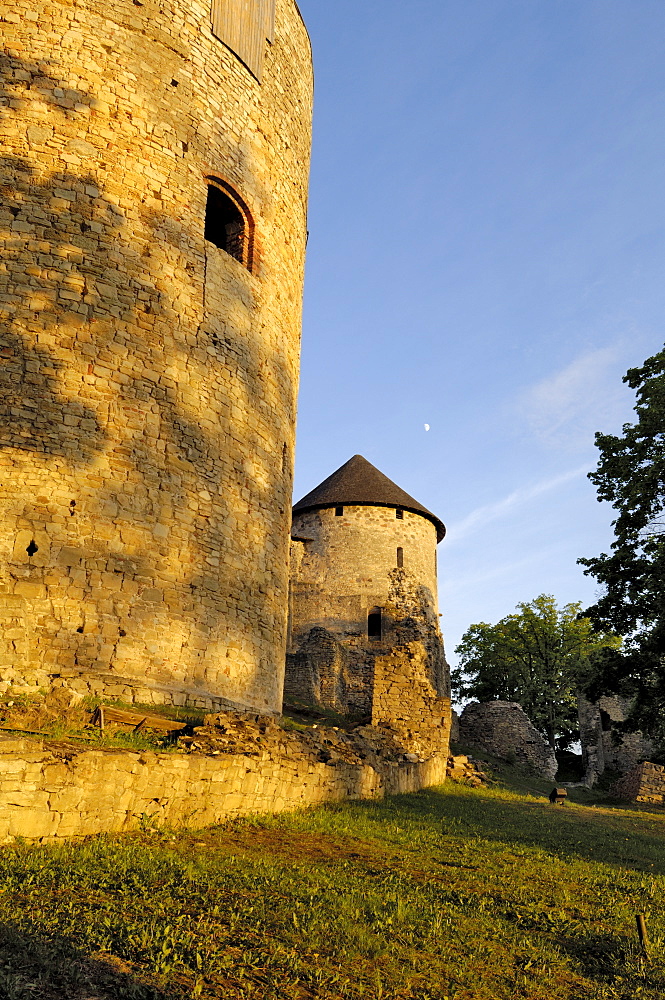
[426, 427]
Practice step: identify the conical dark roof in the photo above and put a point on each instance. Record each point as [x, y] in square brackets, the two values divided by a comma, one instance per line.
[358, 483]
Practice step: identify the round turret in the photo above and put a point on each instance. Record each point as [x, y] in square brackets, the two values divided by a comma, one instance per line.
[363, 581]
[153, 227]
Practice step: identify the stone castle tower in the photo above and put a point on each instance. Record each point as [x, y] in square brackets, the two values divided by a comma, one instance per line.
[364, 637]
[154, 173]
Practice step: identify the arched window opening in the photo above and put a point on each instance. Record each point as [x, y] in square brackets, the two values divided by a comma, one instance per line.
[374, 625]
[227, 226]
[399, 514]
[339, 512]
[400, 558]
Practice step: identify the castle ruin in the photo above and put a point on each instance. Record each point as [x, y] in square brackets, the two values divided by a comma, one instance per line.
[605, 747]
[364, 635]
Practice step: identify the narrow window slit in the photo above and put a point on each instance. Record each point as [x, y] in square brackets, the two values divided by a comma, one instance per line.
[32, 548]
[399, 514]
[339, 512]
[400, 558]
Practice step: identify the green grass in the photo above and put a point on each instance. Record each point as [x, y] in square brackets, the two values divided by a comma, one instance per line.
[451, 893]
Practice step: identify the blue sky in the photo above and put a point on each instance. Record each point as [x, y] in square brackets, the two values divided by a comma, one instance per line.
[486, 256]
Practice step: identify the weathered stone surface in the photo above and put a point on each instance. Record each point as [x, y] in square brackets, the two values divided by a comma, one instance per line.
[236, 766]
[465, 771]
[643, 783]
[603, 746]
[148, 379]
[454, 726]
[501, 728]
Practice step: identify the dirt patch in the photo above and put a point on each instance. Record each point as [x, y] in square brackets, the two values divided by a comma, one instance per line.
[300, 847]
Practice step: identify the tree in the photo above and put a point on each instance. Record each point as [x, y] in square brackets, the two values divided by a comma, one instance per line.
[631, 476]
[540, 656]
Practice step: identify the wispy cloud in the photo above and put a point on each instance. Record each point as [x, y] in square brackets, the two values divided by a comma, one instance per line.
[482, 516]
[568, 407]
[456, 587]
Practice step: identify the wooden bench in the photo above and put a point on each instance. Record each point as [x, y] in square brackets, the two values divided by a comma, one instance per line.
[105, 716]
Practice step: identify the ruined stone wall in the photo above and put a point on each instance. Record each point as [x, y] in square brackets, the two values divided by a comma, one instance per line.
[54, 790]
[643, 783]
[147, 378]
[405, 701]
[501, 728]
[603, 746]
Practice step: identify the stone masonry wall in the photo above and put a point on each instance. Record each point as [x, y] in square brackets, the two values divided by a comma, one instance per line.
[235, 767]
[502, 729]
[341, 565]
[405, 701]
[643, 783]
[603, 746]
[148, 379]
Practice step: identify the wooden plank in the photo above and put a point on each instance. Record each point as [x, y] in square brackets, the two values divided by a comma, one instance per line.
[269, 13]
[242, 25]
[133, 719]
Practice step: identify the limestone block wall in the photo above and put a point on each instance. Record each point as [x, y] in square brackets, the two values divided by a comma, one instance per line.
[502, 729]
[55, 790]
[148, 379]
[405, 701]
[603, 746]
[643, 783]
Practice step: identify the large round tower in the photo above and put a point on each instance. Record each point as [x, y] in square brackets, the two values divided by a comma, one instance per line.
[364, 593]
[153, 228]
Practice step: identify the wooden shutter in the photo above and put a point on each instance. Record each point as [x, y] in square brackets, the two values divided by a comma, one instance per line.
[244, 25]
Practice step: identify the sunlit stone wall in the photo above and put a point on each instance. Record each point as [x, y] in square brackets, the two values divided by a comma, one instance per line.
[147, 379]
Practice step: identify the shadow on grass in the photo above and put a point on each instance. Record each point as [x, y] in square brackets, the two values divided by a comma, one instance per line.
[593, 834]
[50, 967]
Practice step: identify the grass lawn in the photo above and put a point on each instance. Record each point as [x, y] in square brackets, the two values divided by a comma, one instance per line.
[450, 893]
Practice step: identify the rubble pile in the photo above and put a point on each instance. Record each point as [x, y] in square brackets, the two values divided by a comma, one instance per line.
[466, 771]
[255, 736]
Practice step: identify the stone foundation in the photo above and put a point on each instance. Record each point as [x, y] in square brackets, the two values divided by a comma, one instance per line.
[235, 766]
[501, 728]
[115, 687]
